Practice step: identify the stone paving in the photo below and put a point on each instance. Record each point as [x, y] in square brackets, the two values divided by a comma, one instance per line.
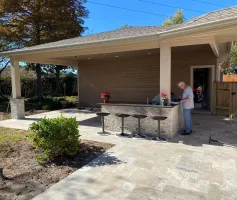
[186, 167]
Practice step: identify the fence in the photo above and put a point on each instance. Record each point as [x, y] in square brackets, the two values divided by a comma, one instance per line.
[230, 78]
[225, 99]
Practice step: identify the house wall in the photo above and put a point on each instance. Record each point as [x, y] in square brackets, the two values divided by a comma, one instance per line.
[133, 79]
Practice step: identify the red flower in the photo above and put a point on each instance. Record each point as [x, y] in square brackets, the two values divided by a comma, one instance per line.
[164, 95]
[105, 95]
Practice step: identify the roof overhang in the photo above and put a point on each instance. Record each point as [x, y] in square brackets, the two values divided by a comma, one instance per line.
[203, 34]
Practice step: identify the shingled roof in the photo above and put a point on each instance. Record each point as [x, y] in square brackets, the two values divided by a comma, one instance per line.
[138, 31]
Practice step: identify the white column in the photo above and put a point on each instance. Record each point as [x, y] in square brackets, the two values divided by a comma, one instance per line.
[16, 102]
[15, 76]
[165, 69]
[78, 86]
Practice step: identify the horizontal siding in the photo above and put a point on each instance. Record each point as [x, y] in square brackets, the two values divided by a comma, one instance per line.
[136, 78]
[181, 66]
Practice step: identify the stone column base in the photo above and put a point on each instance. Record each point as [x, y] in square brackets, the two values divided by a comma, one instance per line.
[17, 108]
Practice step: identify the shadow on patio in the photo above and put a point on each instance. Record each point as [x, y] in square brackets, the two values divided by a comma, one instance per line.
[206, 126]
[92, 122]
[77, 111]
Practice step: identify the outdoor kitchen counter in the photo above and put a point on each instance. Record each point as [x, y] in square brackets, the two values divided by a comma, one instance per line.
[171, 126]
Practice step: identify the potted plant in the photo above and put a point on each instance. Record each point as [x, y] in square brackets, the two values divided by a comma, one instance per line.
[164, 99]
[105, 96]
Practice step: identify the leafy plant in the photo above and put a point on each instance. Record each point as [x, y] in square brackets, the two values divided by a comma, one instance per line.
[58, 137]
[178, 18]
[68, 85]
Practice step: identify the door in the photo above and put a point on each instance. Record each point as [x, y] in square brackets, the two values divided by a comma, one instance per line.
[203, 77]
[201, 88]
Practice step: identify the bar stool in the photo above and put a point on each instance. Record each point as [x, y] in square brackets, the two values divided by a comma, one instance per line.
[158, 119]
[103, 115]
[138, 117]
[122, 116]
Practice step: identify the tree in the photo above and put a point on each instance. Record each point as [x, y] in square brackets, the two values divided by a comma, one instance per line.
[25, 23]
[3, 61]
[55, 70]
[178, 18]
[125, 26]
[232, 69]
[233, 55]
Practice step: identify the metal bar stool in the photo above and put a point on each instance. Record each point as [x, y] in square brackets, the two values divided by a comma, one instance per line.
[138, 117]
[158, 119]
[122, 116]
[102, 115]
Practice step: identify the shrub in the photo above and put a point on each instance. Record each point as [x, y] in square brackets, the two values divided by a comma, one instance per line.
[51, 104]
[68, 86]
[53, 138]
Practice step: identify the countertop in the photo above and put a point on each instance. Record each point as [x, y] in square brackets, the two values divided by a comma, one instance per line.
[135, 105]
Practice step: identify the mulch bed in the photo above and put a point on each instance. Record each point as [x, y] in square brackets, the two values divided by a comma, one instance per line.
[28, 179]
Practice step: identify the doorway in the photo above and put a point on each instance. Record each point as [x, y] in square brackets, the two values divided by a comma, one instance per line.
[202, 78]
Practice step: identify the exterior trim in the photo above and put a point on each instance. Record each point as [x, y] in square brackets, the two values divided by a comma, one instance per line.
[212, 76]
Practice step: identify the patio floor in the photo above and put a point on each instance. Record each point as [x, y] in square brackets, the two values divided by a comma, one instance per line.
[186, 167]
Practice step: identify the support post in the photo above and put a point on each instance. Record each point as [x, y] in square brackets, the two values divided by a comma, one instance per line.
[78, 87]
[165, 70]
[218, 70]
[16, 102]
[15, 76]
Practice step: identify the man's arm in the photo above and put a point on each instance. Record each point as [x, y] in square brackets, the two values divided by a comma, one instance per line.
[185, 100]
[190, 96]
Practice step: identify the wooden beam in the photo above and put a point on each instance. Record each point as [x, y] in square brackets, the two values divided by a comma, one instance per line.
[215, 49]
[48, 61]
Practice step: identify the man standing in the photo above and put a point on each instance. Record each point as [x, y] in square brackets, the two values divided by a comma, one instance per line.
[188, 105]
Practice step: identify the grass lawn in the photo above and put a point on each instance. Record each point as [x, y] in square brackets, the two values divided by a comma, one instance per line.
[12, 135]
[26, 178]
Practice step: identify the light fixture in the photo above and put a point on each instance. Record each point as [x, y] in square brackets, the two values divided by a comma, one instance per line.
[89, 58]
[116, 56]
[149, 53]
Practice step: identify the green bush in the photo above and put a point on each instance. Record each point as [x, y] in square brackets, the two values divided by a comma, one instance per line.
[68, 86]
[51, 104]
[53, 138]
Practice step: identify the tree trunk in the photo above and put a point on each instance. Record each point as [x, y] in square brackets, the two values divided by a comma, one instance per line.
[38, 41]
[39, 81]
[57, 80]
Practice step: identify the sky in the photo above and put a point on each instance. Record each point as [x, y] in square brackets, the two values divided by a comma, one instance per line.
[104, 18]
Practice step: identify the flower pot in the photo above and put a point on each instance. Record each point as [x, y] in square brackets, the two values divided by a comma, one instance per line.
[166, 102]
[162, 102]
[106, 100]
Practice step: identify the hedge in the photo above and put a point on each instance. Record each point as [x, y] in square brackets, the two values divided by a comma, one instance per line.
[68, 86]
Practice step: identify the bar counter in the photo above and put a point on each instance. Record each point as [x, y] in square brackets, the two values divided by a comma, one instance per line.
[171, 126]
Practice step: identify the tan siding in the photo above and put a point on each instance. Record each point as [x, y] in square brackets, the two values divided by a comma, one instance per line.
[132, 80]
[181, 63]
[136, 78]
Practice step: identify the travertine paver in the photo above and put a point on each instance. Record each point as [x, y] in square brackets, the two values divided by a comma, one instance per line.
[186, 167]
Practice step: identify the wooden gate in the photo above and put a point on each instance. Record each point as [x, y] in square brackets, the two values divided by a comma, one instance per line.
[225, 99]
